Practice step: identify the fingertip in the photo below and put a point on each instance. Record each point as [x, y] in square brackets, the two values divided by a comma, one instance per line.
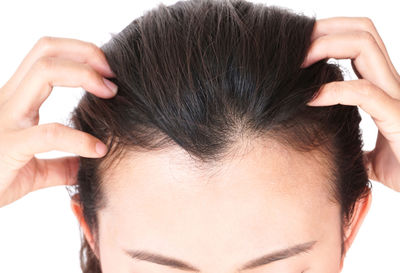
[112, 87]
[312, 103]
[101, 148]
[305, 62]
[315, 100]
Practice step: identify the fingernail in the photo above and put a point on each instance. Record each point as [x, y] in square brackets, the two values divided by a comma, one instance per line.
[101, 148]
[111, 86]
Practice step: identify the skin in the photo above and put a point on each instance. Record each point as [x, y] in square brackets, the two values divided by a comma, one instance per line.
[51, 61]
[217, 245]
[262, 200]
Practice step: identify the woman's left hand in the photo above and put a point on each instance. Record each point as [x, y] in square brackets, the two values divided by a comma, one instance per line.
[377, 91]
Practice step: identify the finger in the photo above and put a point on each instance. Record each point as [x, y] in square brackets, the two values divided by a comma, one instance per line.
[368, 165]
[384, 110]
[47, 72]
[73, 49]
[54, 136]
[334, 25]
[365, 52]
[56, 172]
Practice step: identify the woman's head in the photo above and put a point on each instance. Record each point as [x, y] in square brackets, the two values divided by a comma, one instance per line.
[214, 157]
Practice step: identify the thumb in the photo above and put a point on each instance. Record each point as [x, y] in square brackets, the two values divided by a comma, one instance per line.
[56, 172]
[367, 158]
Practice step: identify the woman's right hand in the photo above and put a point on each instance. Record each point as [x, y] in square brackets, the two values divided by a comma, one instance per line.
[52, 61]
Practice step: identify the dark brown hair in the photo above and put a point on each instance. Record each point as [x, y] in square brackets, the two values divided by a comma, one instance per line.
[203, 74]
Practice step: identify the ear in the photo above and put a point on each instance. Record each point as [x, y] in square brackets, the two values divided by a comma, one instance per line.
[77, 210]
[361, 209]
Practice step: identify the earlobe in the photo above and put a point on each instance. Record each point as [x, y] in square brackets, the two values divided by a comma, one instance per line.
[77, 210]
[361, 209]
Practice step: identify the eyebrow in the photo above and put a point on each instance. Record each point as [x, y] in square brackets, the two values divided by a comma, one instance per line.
[263, 260]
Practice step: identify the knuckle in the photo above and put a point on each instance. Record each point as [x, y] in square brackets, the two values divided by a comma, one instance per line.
[83, 141]
[367, 23]
[365, 88]
[44, 42]
[366, 37]
[86, 142]
[51, 131]
[88, 72]
[94, 50]
[336, 90]
[44, 63]
[321, 40]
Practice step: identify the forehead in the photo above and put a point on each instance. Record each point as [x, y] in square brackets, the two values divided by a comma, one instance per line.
[263, 165]
[267, 190]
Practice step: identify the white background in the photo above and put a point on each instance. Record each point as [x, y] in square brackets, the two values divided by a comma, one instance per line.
[39, 233]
